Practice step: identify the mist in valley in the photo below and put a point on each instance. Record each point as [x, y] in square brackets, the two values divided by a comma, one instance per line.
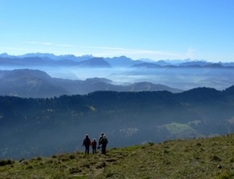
[181, 78]
[175, 77]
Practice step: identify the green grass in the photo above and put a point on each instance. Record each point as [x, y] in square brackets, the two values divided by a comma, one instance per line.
[178, 159]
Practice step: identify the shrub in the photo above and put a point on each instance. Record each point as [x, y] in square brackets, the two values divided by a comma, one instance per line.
[39, 158]
[54, 156]
[151, 143]
[6, 162]
[72, 156]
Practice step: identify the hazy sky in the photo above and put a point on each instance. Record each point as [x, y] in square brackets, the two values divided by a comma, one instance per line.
[155, 29]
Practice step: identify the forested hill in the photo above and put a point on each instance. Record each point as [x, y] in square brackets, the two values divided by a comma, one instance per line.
[44, 126]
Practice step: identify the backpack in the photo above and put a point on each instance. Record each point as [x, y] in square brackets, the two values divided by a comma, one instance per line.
[104, 141]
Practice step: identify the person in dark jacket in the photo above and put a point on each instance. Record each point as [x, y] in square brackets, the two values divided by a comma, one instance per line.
[104, 143]
[86, 143]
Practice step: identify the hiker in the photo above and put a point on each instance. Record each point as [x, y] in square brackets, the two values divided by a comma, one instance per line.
[86, 143]
[104, 143]
[99, 141]
[94, 146]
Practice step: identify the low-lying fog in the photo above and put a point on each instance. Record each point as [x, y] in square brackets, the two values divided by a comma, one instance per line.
[181, 78]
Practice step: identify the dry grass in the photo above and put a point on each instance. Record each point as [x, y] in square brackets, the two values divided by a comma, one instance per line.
[182, 159]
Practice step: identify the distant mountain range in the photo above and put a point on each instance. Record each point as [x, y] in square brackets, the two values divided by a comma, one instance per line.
[69, 74]
[38, 84]
[44, 59]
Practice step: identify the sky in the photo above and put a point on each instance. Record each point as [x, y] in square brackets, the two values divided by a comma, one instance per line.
[154, 29]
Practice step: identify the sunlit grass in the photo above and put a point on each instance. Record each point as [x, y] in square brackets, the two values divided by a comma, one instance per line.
[198, 158]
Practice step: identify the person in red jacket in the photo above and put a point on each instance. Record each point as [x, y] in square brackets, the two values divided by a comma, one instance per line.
[86, 143]
[94, 146]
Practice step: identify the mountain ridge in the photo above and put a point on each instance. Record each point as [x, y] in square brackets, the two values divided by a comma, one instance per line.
[121, 61]
[37, 83]
[45, 126]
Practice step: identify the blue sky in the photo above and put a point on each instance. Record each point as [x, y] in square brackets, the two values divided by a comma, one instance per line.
[155, 29]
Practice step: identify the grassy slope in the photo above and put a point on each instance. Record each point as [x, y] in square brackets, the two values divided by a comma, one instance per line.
[198, 158]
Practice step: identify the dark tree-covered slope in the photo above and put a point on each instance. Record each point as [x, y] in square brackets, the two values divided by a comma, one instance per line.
[44, 126]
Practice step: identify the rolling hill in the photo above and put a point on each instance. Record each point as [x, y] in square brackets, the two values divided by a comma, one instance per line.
[197, 158]
[38, 84]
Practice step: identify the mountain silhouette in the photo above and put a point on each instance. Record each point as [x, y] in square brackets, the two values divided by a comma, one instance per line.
[36, 83]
